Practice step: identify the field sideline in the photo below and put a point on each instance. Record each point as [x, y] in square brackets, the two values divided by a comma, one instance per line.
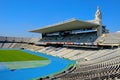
[18, 55]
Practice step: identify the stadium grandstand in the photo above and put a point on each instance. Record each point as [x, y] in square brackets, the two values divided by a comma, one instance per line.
[87, 48]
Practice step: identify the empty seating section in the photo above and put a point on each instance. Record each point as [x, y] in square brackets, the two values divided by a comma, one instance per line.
[6, 45]
[82, 54]
[61, 52]
[2, 38]
[106, 65]
[1, 44]
[10, 39]
[17, 42]
[71, 54]
[92, 64]
[12, 45]
[98, 54]
[112, 38]
[33, 40]
[81, 37]
[56, 50]
[18, 39]
[48, 49]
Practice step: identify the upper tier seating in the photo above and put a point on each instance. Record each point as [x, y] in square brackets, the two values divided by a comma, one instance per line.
[81, 38]
[2, 38]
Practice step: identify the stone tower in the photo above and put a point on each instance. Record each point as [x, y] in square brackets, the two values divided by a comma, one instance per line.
[98, 16]
[98, 20]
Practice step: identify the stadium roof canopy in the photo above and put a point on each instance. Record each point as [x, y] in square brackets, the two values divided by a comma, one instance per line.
[72, 24]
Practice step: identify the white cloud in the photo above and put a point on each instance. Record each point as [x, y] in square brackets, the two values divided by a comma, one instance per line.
[118, 31]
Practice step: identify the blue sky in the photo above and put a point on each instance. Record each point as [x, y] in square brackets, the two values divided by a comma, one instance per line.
[19, 16]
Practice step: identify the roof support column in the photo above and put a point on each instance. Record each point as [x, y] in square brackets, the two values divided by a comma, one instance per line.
[99, 30]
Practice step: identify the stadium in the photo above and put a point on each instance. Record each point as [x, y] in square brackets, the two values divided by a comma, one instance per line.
[69, 50]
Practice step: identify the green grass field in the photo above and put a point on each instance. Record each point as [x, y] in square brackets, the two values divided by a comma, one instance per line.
[18, 55]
